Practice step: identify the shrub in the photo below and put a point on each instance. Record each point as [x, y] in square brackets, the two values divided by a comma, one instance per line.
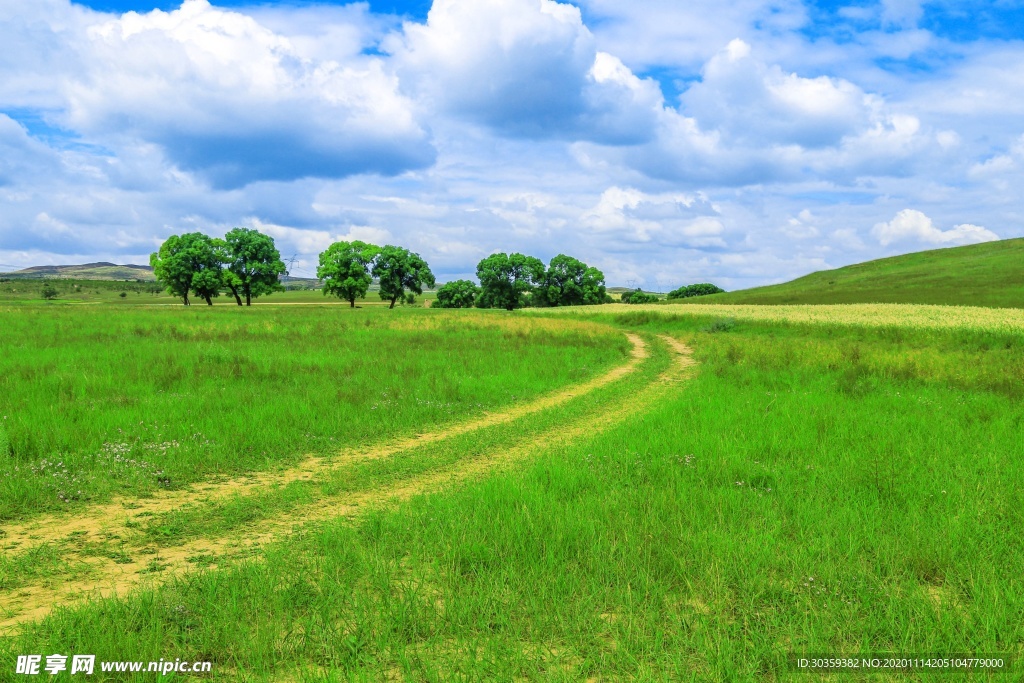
[49, 291]
[700, 289]
[639, 297]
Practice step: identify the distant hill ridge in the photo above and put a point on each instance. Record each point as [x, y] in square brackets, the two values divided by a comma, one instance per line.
[102, 270]
[989, 274]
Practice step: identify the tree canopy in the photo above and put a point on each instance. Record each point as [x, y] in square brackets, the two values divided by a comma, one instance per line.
[570, 282]
[457, 294]
[254, 264]
[398, 269]
[638, 297]
[700, 289]
[506, 278]
[188, 262]
[345, 269]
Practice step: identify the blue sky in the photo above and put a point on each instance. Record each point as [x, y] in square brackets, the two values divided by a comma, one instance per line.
[739, 142]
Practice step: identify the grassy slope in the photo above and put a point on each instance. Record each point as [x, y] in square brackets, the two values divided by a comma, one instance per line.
[990, 274]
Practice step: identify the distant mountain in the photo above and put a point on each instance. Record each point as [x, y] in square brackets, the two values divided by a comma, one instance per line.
[88, 271]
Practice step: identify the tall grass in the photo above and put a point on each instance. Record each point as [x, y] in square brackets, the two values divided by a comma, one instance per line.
[135, 399]
[809, 491]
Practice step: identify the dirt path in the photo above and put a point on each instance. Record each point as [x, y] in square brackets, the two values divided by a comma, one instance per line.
[94, 519]
[156, 565]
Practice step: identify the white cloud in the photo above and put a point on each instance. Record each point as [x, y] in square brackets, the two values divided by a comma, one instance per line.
[524, 68]
[914, 226]
[747, 100]
[632, 216]
[234, 102]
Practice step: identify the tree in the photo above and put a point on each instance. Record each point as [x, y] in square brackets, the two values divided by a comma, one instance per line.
[505, 278]
[345, 269]
[254, 264]
[639, 297]
[399, 269]
[49, 291]
[700, 289]
[570, 282]
[186, 262]
[457, 294]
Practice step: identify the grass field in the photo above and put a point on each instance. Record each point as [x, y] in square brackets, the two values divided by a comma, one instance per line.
[132, 400]
[699, 500]
[15, 291]
[989, 274]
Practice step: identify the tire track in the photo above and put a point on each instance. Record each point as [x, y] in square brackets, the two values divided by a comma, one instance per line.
[111, 578]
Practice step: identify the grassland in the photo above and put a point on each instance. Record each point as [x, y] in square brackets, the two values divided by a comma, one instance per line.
[842, 483]
[15, 291]
[133, 400]
[990, 274]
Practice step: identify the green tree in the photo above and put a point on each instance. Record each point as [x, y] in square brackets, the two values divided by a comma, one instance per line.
[570, 282]
[639, 297]
[699, 289]
[345, 269]
[188, 262]
[506, 278]
[399, 269]
[254, 265]
[49, 291]
[457, 294]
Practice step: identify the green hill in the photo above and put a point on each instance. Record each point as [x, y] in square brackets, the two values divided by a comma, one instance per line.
[87, 271]
[989, 274]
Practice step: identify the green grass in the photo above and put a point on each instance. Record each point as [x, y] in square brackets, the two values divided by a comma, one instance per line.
[135, 399]
[990, 274]
[815, 488]
[28, 291]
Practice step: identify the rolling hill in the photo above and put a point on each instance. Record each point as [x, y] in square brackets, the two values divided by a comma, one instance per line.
[88, 271]
[989, 274]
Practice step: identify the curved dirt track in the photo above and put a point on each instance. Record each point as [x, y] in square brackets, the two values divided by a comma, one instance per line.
[108, 577]
[50, 527]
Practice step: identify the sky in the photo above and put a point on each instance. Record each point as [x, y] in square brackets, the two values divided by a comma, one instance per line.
[739, 142]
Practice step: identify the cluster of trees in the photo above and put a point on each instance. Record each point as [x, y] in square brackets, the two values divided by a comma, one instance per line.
[245, 262]
[348, 268]
[699, 289]
[513, 281]
[638, 297]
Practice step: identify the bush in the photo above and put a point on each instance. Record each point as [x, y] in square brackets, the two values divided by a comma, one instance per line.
[639, 297]
[49, 291]
[700, 289]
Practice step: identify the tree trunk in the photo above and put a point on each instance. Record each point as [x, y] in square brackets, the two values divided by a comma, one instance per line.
[234, 290]
[352, 302]
[209, 301]
[248, 297]
[184, 298]
[393, 300]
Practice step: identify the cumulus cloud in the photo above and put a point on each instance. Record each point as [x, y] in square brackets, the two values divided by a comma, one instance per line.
[673, 219]
[910, 225]
[525, 68]
[747, 122]
[749, 101]
[234, 102]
